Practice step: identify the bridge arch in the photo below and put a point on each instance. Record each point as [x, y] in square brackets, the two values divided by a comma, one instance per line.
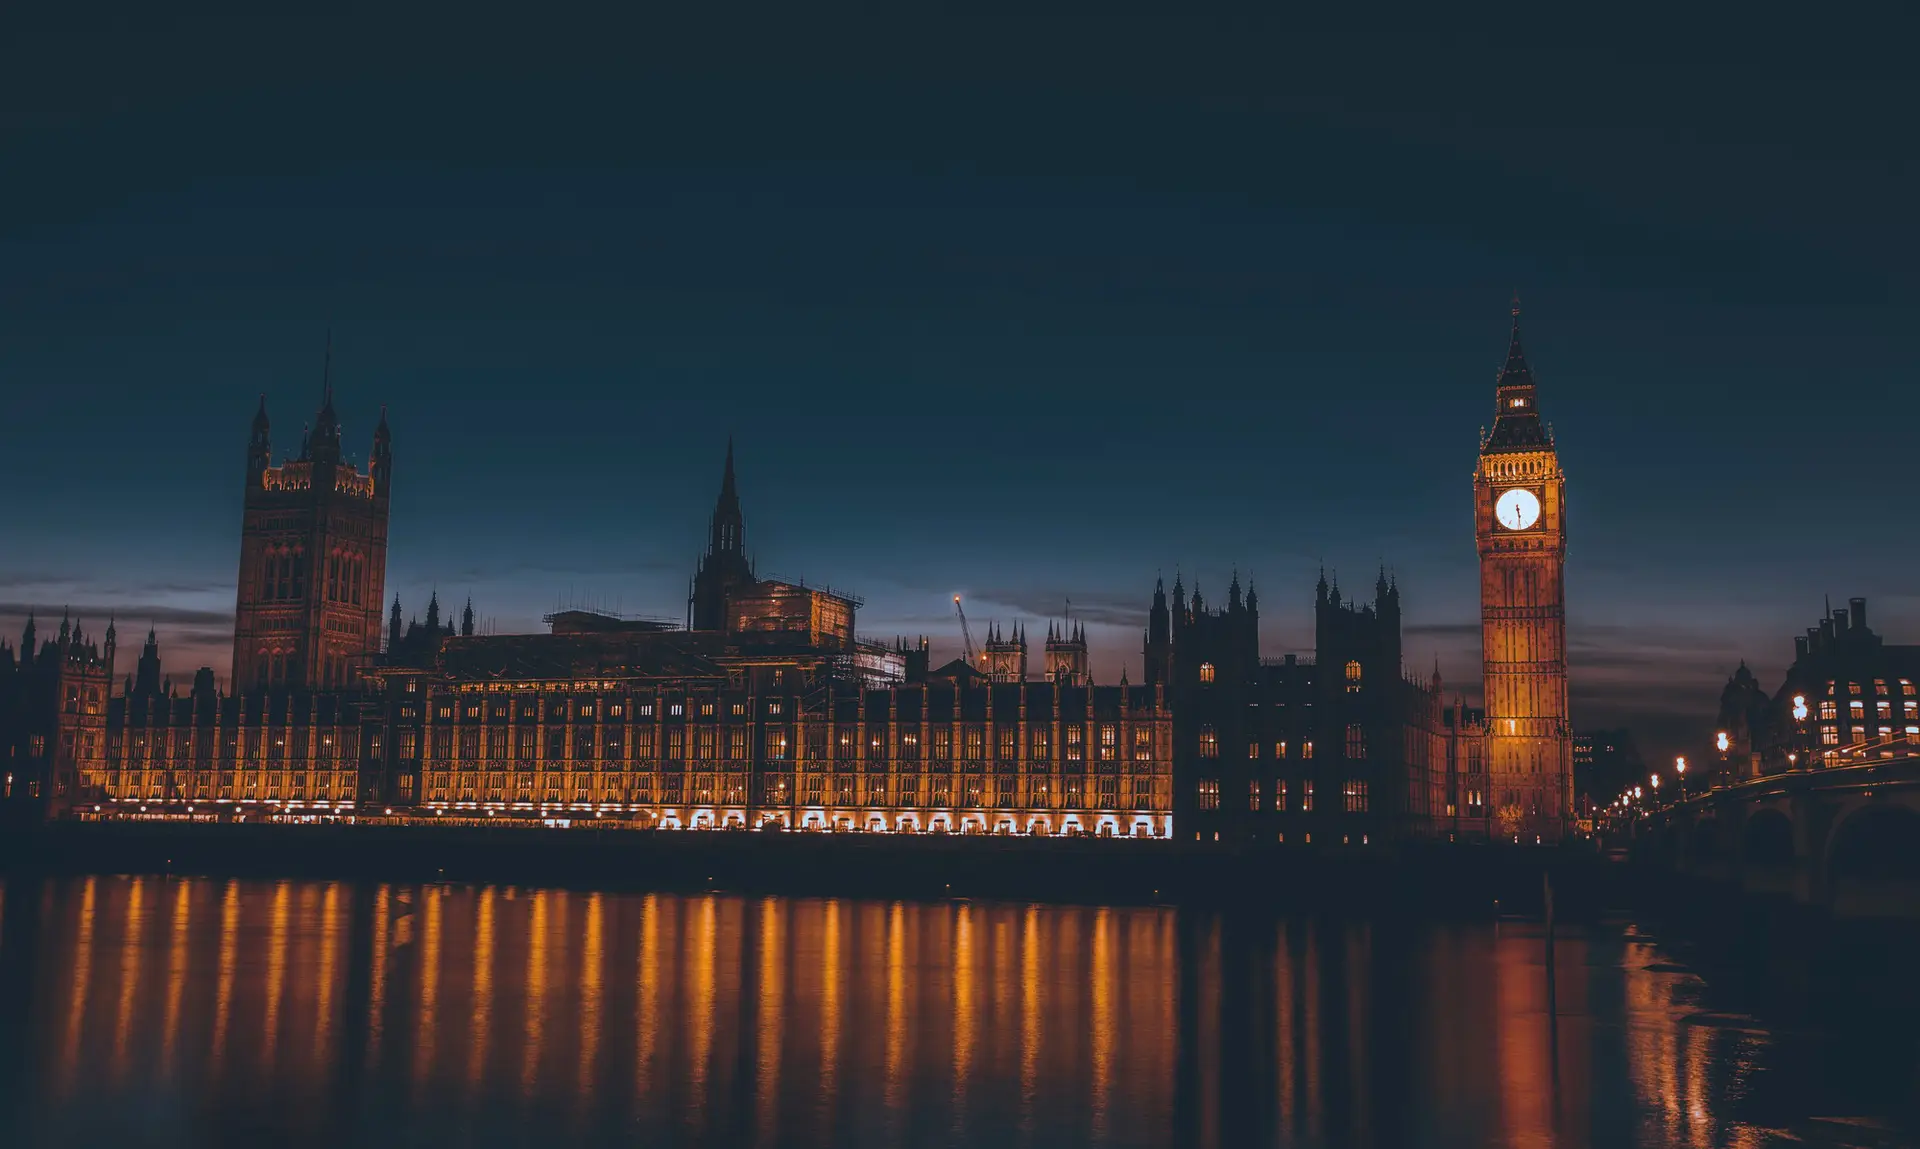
[1767, 838]
[1873, 862]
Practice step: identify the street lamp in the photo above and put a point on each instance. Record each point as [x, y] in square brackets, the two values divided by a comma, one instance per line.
[1799, 729]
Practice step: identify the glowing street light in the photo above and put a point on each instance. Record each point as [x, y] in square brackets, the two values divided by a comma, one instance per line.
[1680, 764]
[1800, 708]
[1654, 779]
[1721, 741]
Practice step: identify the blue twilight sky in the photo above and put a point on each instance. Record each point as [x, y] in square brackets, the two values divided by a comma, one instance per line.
[1022, 306]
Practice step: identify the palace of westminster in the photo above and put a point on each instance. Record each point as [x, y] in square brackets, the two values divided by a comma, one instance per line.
[766, 711]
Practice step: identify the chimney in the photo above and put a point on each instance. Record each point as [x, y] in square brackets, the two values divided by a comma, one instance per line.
[1799, 647]
[1859, 608]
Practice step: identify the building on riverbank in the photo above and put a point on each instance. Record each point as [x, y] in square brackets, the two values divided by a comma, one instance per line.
[1341, 747]
[1848, 697]
[766, 709]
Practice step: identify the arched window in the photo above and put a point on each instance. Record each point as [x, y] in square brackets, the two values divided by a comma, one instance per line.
[1353, 676]
[1206, 672]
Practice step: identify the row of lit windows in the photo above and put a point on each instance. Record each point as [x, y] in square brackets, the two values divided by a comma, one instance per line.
[557, 709]
[1882, 708]
[268, 786]
[1353, 795]
[1280, 749]
[1356, 744]
[1879, 687]
[1353, 673]
[179, 744]
[816, 790]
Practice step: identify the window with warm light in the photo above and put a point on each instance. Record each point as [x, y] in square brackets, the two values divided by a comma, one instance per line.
[1828, 709]
[1206, 672]
[1253, 794]
[1306, 748]
[1280, 750]
[1209, 794]
[1353, 677]
[1209, 743]
[1306, 797]
[1356, 741]
[1253, 750]
[1356, 797]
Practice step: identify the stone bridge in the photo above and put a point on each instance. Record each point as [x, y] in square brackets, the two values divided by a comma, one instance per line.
[1844, 839]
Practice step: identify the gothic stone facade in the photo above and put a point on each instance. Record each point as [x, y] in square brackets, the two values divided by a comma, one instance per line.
[1519, 496]
[701, 729]
[313, 560]
[1338, 749]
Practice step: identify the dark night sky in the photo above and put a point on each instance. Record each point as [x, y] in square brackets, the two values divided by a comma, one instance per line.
[1017, 305]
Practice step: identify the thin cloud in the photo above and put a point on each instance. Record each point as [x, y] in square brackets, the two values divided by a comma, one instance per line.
[129, 613]
[1095, 609]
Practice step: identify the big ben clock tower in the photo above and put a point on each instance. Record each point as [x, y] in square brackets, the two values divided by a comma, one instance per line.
[1520, 524]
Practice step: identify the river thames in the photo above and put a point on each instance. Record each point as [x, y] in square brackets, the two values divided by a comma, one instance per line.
[180, 1011]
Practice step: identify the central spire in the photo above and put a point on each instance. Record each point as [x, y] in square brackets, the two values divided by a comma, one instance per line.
[1516, 417]
[1516, 373]
[729, 525]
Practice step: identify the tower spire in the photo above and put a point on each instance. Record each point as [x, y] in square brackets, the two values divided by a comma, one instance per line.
[1516, 417]
[729, 525]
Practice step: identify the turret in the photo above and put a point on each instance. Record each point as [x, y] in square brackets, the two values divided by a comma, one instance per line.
[466, 619]
[259, 446]
[323, 443]
[433, 612]
[727, 528]
[724, 568]
[382, 462]
[1516, 417]
[393, 627]
[146, 678]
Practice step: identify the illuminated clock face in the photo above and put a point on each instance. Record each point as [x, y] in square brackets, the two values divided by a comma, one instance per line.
[1517, 509]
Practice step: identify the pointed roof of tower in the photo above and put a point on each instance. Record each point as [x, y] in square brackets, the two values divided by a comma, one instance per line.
[1516, 420]
[260, 416]
[327, 422]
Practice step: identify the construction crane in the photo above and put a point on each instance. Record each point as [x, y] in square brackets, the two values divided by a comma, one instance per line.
[966, 631]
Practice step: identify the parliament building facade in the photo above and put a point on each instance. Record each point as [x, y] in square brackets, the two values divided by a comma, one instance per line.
[768, 711]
